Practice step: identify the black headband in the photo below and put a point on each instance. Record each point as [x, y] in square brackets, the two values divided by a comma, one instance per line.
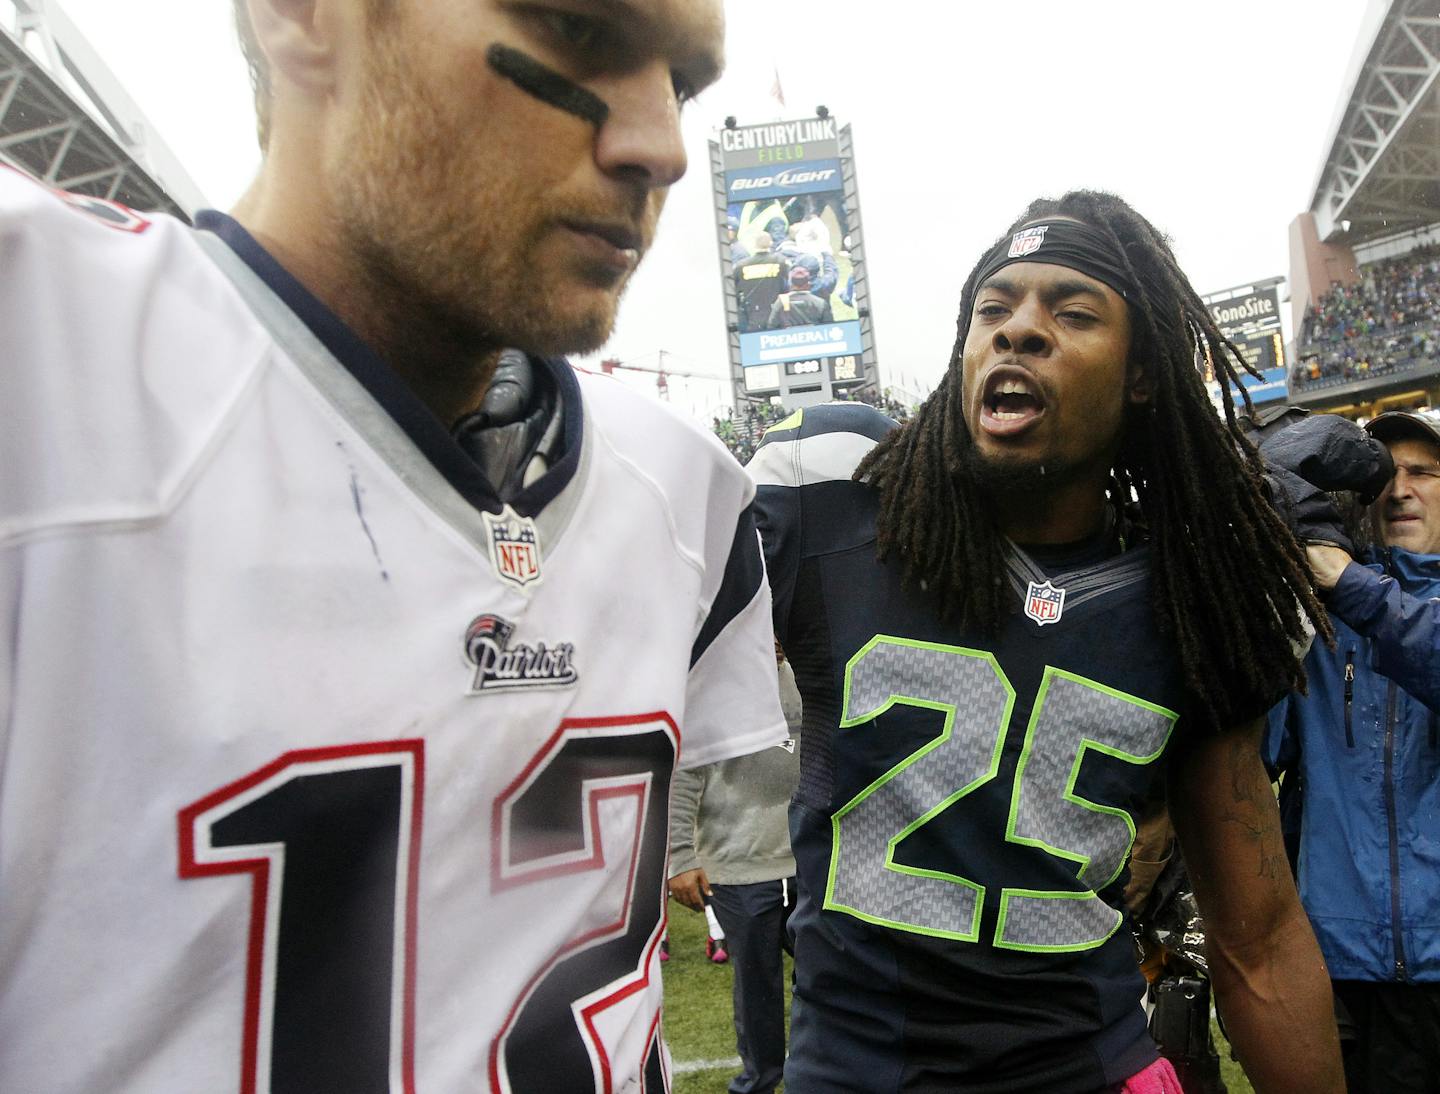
[1062, 243]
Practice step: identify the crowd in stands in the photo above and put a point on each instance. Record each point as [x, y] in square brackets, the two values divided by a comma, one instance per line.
[1387, 322]
[741, 430]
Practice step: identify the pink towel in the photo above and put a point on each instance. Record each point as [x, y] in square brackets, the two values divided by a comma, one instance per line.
[1158, 1078]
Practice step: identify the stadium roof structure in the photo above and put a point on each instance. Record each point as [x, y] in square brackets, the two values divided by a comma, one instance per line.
[66, 119]
[1381, 175]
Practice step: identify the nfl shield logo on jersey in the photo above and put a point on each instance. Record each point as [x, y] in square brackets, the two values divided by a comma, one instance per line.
[514, 547]
[1027, 242]
[1044, 603]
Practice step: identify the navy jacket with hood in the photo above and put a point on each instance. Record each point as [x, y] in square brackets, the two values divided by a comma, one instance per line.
[1364, 744]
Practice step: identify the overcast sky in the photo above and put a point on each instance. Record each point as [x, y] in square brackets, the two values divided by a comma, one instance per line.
[1211, 118]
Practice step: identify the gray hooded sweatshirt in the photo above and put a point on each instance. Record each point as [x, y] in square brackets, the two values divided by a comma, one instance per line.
[732, 817]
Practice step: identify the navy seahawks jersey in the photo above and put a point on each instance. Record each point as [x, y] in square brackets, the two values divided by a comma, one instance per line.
[967, 802]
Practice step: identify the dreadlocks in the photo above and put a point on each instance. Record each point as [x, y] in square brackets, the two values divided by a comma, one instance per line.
[1228, 573]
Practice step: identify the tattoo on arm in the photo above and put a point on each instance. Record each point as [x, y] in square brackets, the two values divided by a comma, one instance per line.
[1252, 804]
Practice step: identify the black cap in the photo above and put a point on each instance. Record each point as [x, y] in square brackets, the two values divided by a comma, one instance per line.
[1395, 425]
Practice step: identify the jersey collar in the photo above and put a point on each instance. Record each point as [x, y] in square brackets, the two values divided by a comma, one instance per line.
[425, 430]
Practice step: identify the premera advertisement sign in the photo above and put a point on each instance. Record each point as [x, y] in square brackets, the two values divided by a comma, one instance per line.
[798, 343]
[789, 234]
[1250, 317]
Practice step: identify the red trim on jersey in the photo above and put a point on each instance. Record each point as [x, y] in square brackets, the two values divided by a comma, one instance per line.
[130, 221]
[412, 918]
[655, 1041]
[620, 994]
[259, 869]
[595, 861]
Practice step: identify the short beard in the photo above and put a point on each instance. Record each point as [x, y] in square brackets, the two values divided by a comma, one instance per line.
[1004, 477]
[443, 245]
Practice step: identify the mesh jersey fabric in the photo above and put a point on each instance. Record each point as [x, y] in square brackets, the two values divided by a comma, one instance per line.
[300, 790]
[966, 803]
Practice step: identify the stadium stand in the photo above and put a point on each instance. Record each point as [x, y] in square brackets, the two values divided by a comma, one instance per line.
[1387, 323]
[742, 430]
[66, 119]
[1365, 256]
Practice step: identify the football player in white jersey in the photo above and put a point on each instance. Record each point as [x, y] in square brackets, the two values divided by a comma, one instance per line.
[348, 638]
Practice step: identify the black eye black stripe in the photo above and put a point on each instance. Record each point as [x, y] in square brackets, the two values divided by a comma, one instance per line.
[547, 85]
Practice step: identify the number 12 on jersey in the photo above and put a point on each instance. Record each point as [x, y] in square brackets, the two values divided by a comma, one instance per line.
[1072, 717]
[331, 840]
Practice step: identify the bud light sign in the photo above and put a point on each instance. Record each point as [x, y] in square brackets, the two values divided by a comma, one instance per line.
[772, 181]
[792, 256]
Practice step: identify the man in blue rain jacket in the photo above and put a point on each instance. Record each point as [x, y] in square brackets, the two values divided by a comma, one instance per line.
[1362, 752]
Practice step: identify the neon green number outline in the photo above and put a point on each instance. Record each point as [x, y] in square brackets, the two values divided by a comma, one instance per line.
[848, 721]
[1086, 744]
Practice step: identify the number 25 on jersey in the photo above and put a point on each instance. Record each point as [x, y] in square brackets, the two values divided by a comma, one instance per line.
[1072, 718]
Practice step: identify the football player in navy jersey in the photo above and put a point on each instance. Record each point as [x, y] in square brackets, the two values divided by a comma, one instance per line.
[1054, 600]
[349, 637]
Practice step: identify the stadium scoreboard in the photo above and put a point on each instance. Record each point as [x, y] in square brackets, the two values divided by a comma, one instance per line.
[792, 261]
[1249, 316]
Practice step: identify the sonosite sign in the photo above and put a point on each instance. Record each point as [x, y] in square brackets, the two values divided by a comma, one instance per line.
[1249, 315]
[791, 256]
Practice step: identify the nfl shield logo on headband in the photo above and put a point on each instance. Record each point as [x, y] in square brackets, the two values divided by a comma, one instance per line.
[1027, 242]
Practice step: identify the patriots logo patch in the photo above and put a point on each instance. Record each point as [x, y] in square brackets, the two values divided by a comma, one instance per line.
[501, 663]
[1044, 603]
[1027, 241]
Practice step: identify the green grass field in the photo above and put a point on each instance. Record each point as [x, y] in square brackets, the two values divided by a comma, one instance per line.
[1230, 1070]
[698, 1022]
[699, 1027]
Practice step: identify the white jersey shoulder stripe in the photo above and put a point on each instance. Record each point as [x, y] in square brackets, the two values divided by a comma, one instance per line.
[110, 417]
[729, 667]
[827, 457]
[689, 555]
[678, 462]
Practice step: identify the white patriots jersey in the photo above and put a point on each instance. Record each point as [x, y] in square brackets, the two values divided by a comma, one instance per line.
[318, 772]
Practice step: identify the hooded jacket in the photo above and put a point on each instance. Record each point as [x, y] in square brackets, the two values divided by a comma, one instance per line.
[1365, 744]
[731, 817]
